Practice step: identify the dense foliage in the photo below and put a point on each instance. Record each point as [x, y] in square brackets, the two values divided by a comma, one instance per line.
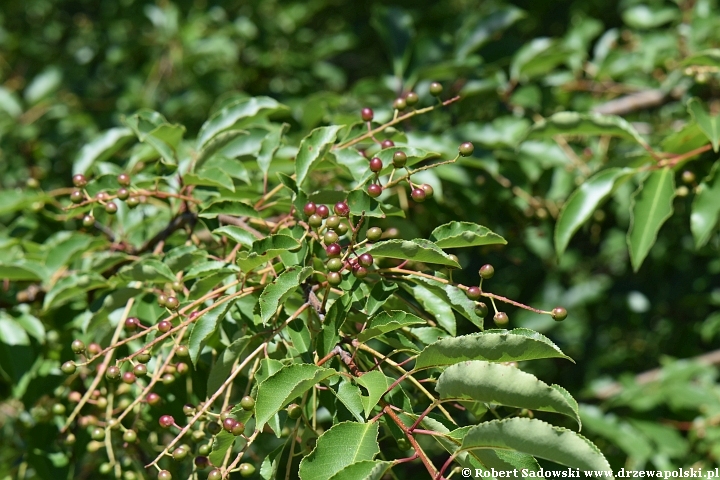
[204, 130]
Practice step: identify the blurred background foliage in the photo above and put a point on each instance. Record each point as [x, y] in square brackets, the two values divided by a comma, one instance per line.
[70, 69]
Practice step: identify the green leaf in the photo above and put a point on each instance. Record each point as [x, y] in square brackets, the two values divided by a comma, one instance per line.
[621, 434]
[223, 441]
[31, 324]
[234, 115]
[419, 250]
[486, 28]
[650, 207]
[238, 234]
[537, 57]
[13, 200]
[583, 202]
[365, 470]
[153, 129]
[312, 150]
[504, 385]
[704, 58]
[229, 207]
[349, 395]
[358, 441]
[216, 144]
[269, 146]
[379, 294]
[105, 145]
[705, 207]
[71, 287]
[709, 125]
[210, 267]
[147, 270]
[435, 303]
[360, 202]
[464, 234]
[271, 462]
[284, 385]
[645, 17]
[376, 384]
[275, 244]
[23, 270]
[539, 439]
[387, 322]
[277, 292]
[491, 345]
[11, 333]
[455, 297]
[205, 326]
[223, 365]
[573, 123]
[210, 177]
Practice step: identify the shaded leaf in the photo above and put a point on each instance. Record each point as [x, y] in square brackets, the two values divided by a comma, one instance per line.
[387, 322]
[464, 234]
[486, 28]
[278, 291]
[705, 207]
[710, 125]
[205, 326]
[573, 123]
[238, 234]
[312, 150]
[269, 146]
[229, 207]
[223, 365]
[147, 270]
[349, 395]
[358, 441]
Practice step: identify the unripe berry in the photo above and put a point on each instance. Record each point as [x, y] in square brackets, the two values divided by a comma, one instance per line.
[79, 180]
[143, 357]
[435, 89]
[411, 99]
[111, 208]
[365, 260]
[294, 411]
[330, 237]
[164, 475]
[473, 293]
[418, 194]
[213, 428]
[559, 314]
[166, 421]
[168, 378]
[501, 318]
[481, 310]
[332, 222]
[373, 234]
[172, 303]
[179, 453]
[333, 250]
[376, 165]
[429, 192]
[128, 377]
[238, 429]
[140, 370]
[123, 193]
[487, 271]
[58, 409]
[309, 208]
[387, 143]
[315, 220]
[367, 114]
[112, 373]
[182, 368]
[688, 177]
[246, 470]
[88, 221]
[399, 159]
[77, 346]
[94, 349]
[399, 104]
[466, 149]
[162, 299]
[334, 265]
[123, 179]
[77, 196]
[342, 229]
[374, 190]
[98, 434]
[247, 403]
[334, 278]
[129, 436]
[153, 398]
[164, 326]
[214, 475]
[323, 211]
[360, 272]
[105, 468]
[204, 450]
[133, 202]
[342, 209]
[188, 410]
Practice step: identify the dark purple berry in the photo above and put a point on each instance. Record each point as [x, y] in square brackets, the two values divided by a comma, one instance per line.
[323, 211]
[365, 260]
[367, 114]
[309, 208]
[164, 326]
[473, 293]
[374, 190]
[387, 144]
[376, 165]
[342, 209]
[333, 250]
[418, 194]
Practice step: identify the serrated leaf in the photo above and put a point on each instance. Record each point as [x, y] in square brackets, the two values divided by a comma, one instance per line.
[583, 202]
[705, 207]
[205, 326]
[419, 250]
[269, 146]
[352, 161]
[222, 443]
[539, 439]
[216, 144]
[358, 441]
[710, 125]
[153, 129]
[274, 244]
[464, 234]
[376, 384]
[210, 177]
[238, 234]
[434, 302]
[365, 470]
[387, 322]
[281, 387]
[233, 115]
[504, 385]
[312, 150]
[455, 297]
[228, 207]
[271, 462]
[650, 206]
[360, 202]
[102, 147]
[573, 123]
[209, 268]
[278, 291]
[349, 395]
[71, 287]
[491, 345]
[223, 365]
[147, 270]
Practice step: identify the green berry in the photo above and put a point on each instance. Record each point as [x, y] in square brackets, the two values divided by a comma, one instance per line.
[79, 180]
[373, 234]
[334, 265]
[487, 271]
[247, 403]
[140, 370]
[214, 475]
[164, 475]
[429, 192]
[411, 99]
[162, 299]
[77, 346]
[123, 179]
[334, 278]
[58, 409]
[466, 149]
[330, 237]
[342, 229]
[294, 411]
[559, 314]
[501, 318]
[179, 453]
[238, 429]
[105, 468]
[399, 104]
[481, 310]
[246, 470]
[172, 303]
[129, 436]
[98, 434]
[88, 221]
[111, 208]
[77, 196]
[315, 220]
[332, 222]
[399, 159]
[182, 351]
[144, 357]
[688, 177]
[123, 193]
[435, 89]
[133, 202]
[204, 449]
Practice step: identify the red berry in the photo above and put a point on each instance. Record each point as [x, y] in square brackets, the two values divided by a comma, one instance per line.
[128, 377]
[309, 208]
[387, 144]
[164, 475]
[333, 250]
[131, 323]
[374, 190]
[473, 293]
[359, 272]
[79, 180]
[501, 318]
[94, 349]
[365, 260]
[111, 208]
[164, 326]
[153, 398]
[367, 114]
[342, 209]
[229, 424]
[238, 429]
[172, 303]
[123, 179]
[166, 421]
[376, 164]
[418, 194]
[323, 211]
[112, 373]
